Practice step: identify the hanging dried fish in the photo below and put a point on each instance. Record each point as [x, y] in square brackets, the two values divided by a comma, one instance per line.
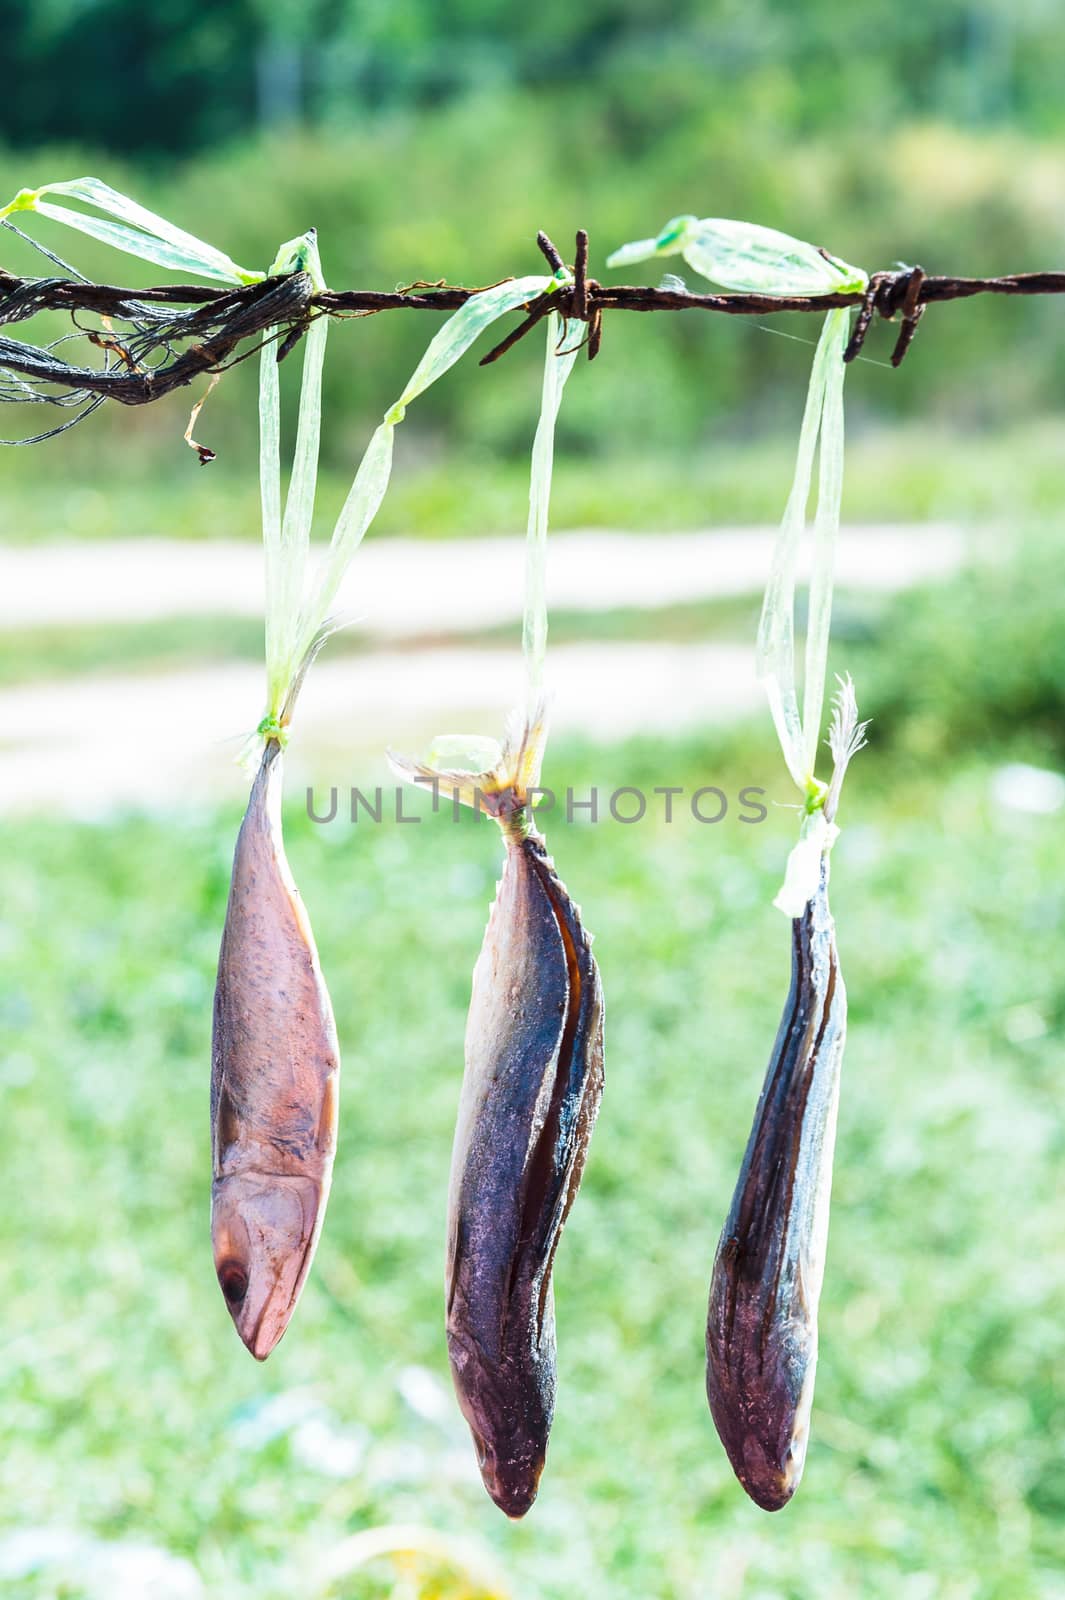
[275, 1062]
[274, 1081]
[275, 1065]
[533, 1076]
[530, 1094]
[761, 1339]
[761, 1330]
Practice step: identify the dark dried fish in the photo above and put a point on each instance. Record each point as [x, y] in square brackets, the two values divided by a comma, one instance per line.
[761, 1331]
[530, 1094]
[534, 1059]
[761, 1326]
[274, 1081]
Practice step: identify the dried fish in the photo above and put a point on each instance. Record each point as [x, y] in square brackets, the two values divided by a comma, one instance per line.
[761, 1329]
[274, 1081]
[275, 1065]
[761, 1334]
[530, 1094]
[534, 1062]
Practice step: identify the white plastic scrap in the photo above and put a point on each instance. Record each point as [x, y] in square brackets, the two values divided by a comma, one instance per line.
[747, 258]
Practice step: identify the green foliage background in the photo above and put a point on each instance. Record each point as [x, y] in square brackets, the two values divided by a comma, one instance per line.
[429, 142]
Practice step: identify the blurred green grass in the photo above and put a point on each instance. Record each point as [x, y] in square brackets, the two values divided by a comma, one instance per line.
[936, 1464]
[897, 473]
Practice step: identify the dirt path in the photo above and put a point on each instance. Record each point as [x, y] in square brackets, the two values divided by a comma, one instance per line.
[404, 587]
[168, 741]
[171, 741]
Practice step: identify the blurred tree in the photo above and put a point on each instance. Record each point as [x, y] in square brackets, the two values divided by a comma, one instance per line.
[126, 76]
[130, 77]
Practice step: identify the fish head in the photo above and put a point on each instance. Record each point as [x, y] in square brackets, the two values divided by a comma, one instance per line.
[769, 1462]
[263, 1231]
[768, 1478]
[508, 1412]
[510, 1470]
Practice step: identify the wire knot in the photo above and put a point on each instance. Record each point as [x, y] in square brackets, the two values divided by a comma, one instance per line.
[888, 294]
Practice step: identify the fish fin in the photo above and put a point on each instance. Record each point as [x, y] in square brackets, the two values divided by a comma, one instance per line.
[225, 1123]
[558, 1162]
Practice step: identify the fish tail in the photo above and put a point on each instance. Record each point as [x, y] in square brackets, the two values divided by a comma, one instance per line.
[524, 741]
[497, 778]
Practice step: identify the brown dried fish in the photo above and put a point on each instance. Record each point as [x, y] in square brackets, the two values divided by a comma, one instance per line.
[274, 1081]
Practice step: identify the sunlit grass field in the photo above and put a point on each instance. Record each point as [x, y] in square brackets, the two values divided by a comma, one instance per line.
[895, 473]
[132, 1413]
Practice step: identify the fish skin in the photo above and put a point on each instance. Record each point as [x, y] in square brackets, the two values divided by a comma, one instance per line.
[761, 1331]
[274, 1081]
[530, 1094]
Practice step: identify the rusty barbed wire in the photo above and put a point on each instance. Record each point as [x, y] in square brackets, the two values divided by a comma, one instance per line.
[218, 327]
